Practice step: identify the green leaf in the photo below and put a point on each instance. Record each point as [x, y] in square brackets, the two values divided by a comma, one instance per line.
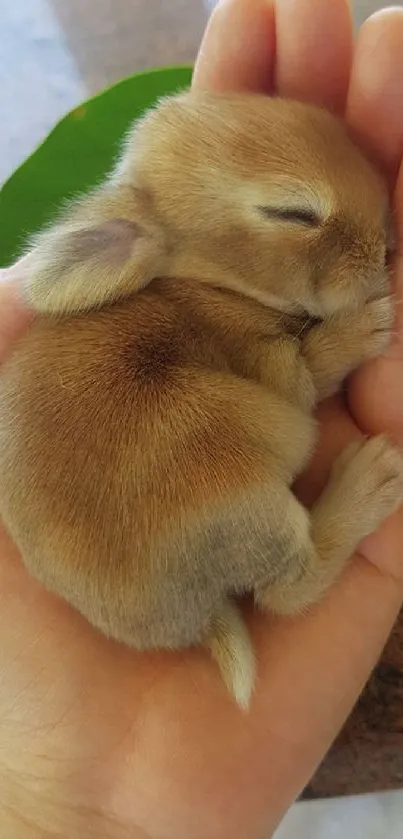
[77, 154]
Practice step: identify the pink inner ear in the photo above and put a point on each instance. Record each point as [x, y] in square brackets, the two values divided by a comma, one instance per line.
[112, 240]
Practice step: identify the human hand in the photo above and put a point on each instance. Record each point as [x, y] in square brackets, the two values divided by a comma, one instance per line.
[98, 740]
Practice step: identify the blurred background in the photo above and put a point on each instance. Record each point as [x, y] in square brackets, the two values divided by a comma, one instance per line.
[53, 53]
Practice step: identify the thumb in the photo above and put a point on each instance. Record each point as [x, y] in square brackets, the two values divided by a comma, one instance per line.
[15, 314]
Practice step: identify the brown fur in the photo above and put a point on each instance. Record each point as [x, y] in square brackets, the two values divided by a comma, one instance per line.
[155, 415]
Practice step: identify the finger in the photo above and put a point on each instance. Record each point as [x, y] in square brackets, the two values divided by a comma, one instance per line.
[376, 398]
[314, 50]
[375, 111]
[337, 430]
[375, 392]
[375, 98]
[15, 315]
[238, 49]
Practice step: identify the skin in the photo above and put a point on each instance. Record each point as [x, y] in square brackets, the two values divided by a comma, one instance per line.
[97, 740]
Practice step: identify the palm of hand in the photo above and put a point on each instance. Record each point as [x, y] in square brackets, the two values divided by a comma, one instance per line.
[153, 741]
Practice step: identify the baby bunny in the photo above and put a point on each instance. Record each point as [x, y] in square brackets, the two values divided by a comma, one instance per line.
[228, 275]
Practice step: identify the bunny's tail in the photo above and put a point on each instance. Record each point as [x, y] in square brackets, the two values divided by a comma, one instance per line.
[230, 645]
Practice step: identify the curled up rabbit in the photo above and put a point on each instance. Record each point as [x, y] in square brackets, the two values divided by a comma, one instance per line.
[191, 312]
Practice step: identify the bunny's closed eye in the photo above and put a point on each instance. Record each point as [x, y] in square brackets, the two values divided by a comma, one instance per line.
[296, 215]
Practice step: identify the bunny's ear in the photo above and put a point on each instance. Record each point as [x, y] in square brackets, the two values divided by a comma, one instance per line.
[107, 247]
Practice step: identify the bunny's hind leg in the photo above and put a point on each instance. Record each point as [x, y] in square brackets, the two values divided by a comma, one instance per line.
[365, 487]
